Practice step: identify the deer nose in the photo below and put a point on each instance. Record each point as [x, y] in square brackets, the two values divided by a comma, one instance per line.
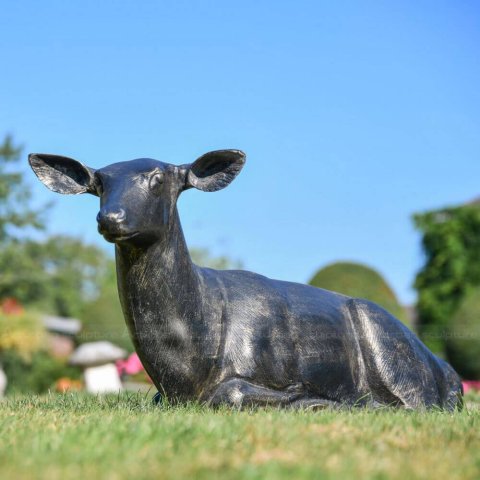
[111, 216]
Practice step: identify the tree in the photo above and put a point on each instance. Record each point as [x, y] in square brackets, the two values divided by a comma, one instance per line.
[15, 211]
[451, 244]
[56, 276]
[462, 343]
[360, 281]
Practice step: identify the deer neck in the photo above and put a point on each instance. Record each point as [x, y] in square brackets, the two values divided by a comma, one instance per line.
[159, 289]
[159, 281]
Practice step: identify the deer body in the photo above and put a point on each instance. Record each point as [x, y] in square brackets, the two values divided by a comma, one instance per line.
[237, 337]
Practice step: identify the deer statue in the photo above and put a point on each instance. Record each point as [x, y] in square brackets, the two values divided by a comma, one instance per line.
[235, 337]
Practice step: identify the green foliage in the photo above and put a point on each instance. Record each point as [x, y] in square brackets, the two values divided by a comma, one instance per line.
[14, 194]
[21, 333]
[102, 317]
[56, 276]
[451, 243]
[463, 339]
[36, 375]
[360, 281]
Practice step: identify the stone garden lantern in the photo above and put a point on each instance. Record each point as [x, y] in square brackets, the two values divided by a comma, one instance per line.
[100, 373]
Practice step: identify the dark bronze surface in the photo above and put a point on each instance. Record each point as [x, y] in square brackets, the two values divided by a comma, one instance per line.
[237, 337]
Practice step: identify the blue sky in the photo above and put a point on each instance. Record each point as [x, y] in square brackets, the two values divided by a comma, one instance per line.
[353, 115]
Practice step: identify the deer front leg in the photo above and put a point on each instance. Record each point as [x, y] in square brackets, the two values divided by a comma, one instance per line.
[238, 392]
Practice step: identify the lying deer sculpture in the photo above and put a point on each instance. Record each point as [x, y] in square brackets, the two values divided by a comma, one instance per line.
[235, 337]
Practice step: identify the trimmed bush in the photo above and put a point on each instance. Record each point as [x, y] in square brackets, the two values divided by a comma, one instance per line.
[463, 340]
[360, 281]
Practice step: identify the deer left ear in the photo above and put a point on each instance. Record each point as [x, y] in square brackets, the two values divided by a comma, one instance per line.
[215, 170]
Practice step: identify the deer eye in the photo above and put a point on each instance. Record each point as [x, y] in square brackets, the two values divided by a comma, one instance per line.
[156, 181]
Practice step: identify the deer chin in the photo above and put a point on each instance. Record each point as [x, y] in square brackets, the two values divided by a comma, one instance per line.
[119, 237]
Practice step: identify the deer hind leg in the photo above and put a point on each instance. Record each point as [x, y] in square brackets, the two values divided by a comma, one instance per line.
[238, 392]
[398, 364]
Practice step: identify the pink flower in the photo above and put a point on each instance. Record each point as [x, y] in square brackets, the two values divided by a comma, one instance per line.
[131, 366]
[471, 385]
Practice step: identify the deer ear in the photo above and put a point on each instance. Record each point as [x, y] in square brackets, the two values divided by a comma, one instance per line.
[215, 170]
[62, 174]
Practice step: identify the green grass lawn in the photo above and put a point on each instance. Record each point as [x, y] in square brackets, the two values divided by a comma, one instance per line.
[74, 436]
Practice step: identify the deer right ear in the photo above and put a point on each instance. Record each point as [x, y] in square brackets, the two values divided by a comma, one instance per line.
[63, 174]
